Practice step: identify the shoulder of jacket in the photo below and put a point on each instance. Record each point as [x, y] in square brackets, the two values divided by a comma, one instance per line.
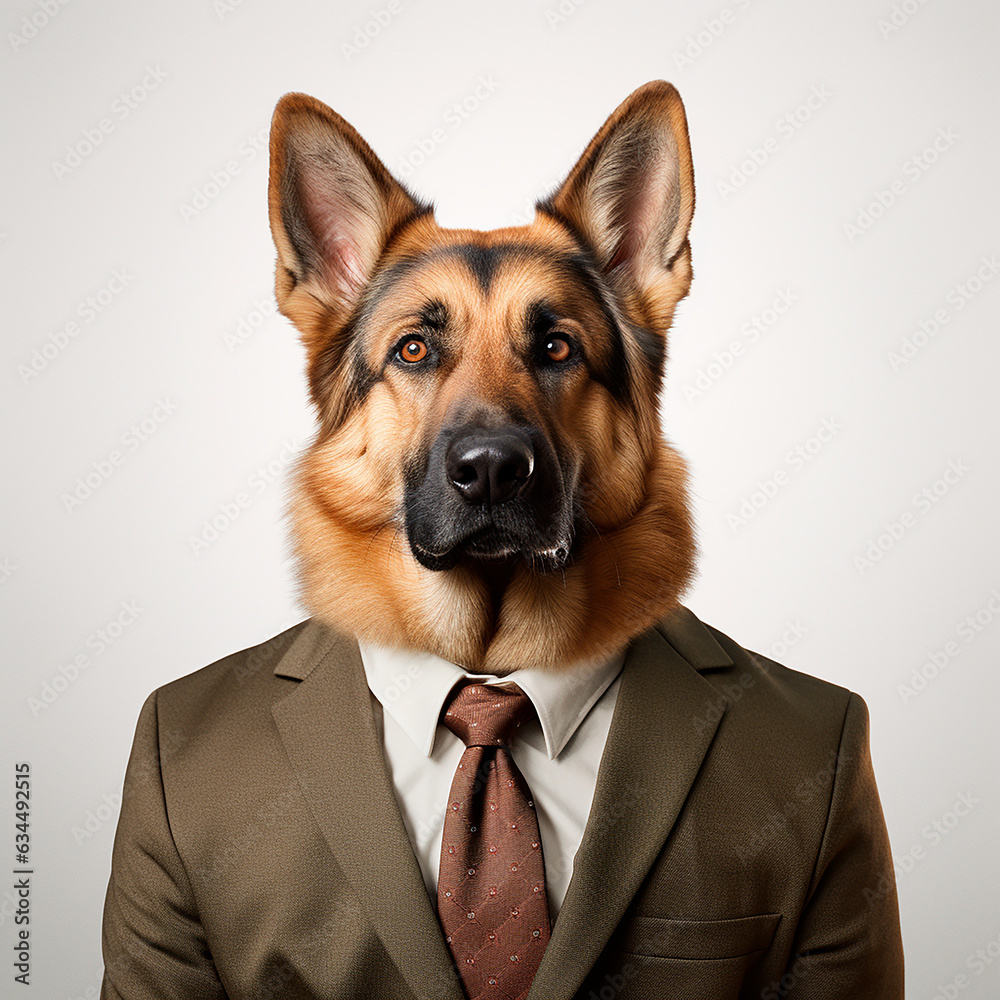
[761, 694]
[245, 678]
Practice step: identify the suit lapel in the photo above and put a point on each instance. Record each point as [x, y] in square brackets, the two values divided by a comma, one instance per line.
[658, 738]
[328, 730]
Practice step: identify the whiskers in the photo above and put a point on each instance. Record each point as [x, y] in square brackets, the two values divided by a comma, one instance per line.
[583, 514]
[397, 529]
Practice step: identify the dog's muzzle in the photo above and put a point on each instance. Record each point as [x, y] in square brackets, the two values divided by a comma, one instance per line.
[490, 493]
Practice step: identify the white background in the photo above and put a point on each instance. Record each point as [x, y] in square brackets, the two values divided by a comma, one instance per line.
[186, 340]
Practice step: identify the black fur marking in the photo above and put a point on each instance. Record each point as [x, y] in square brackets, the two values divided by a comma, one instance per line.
[385, 279]
[541, 318]
[483, 261]
[653, 345]
[434, 315]
[654, 348]
[616, 375]
[363, 378]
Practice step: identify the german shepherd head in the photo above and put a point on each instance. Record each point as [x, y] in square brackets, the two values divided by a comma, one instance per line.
[489, 480]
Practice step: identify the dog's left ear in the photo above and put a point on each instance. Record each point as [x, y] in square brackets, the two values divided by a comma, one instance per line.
[631, 193]
[333, 206]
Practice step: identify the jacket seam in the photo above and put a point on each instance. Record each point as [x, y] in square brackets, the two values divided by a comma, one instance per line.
[189, 887]
[813, 881]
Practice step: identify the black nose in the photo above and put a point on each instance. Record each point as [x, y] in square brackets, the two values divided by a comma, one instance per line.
[489, 466]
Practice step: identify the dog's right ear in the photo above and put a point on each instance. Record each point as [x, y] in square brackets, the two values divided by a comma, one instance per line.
[630, 196]
[333, 206]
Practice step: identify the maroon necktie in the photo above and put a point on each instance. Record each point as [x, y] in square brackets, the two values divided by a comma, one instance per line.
[491, 887]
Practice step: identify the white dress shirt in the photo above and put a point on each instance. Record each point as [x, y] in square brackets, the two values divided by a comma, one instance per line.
[558, 753]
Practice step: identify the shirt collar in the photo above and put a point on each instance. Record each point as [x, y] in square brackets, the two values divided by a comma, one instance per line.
[412, 686]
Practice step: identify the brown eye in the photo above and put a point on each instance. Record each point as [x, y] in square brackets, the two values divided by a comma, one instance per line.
[557, 349]
[413, 349]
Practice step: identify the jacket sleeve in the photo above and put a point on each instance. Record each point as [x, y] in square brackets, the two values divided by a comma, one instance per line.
[153, 943]
[847, 944]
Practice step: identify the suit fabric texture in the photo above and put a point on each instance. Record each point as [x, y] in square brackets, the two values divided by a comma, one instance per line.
[735, 847]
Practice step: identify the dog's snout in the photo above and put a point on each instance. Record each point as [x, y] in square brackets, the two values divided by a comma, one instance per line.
[489, 466]
[491, 488]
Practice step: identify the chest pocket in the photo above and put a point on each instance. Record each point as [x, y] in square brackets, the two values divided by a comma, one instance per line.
[654, 957]
[668, 937]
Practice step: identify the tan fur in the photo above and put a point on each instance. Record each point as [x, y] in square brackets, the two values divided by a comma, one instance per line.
[637, 550]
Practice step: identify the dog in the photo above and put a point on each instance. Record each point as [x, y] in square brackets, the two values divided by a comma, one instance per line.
[490, 477]
[490, 483]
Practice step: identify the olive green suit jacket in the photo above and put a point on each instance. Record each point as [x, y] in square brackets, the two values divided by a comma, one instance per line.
[735, 848]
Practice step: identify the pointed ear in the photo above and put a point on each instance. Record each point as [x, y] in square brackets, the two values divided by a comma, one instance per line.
[631, 193]
[333, 207]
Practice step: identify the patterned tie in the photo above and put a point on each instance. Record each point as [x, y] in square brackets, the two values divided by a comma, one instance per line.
[491, 888]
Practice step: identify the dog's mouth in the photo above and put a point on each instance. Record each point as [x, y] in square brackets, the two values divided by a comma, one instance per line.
[493, 543]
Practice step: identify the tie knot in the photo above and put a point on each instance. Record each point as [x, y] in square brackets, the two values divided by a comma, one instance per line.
[482, 716]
